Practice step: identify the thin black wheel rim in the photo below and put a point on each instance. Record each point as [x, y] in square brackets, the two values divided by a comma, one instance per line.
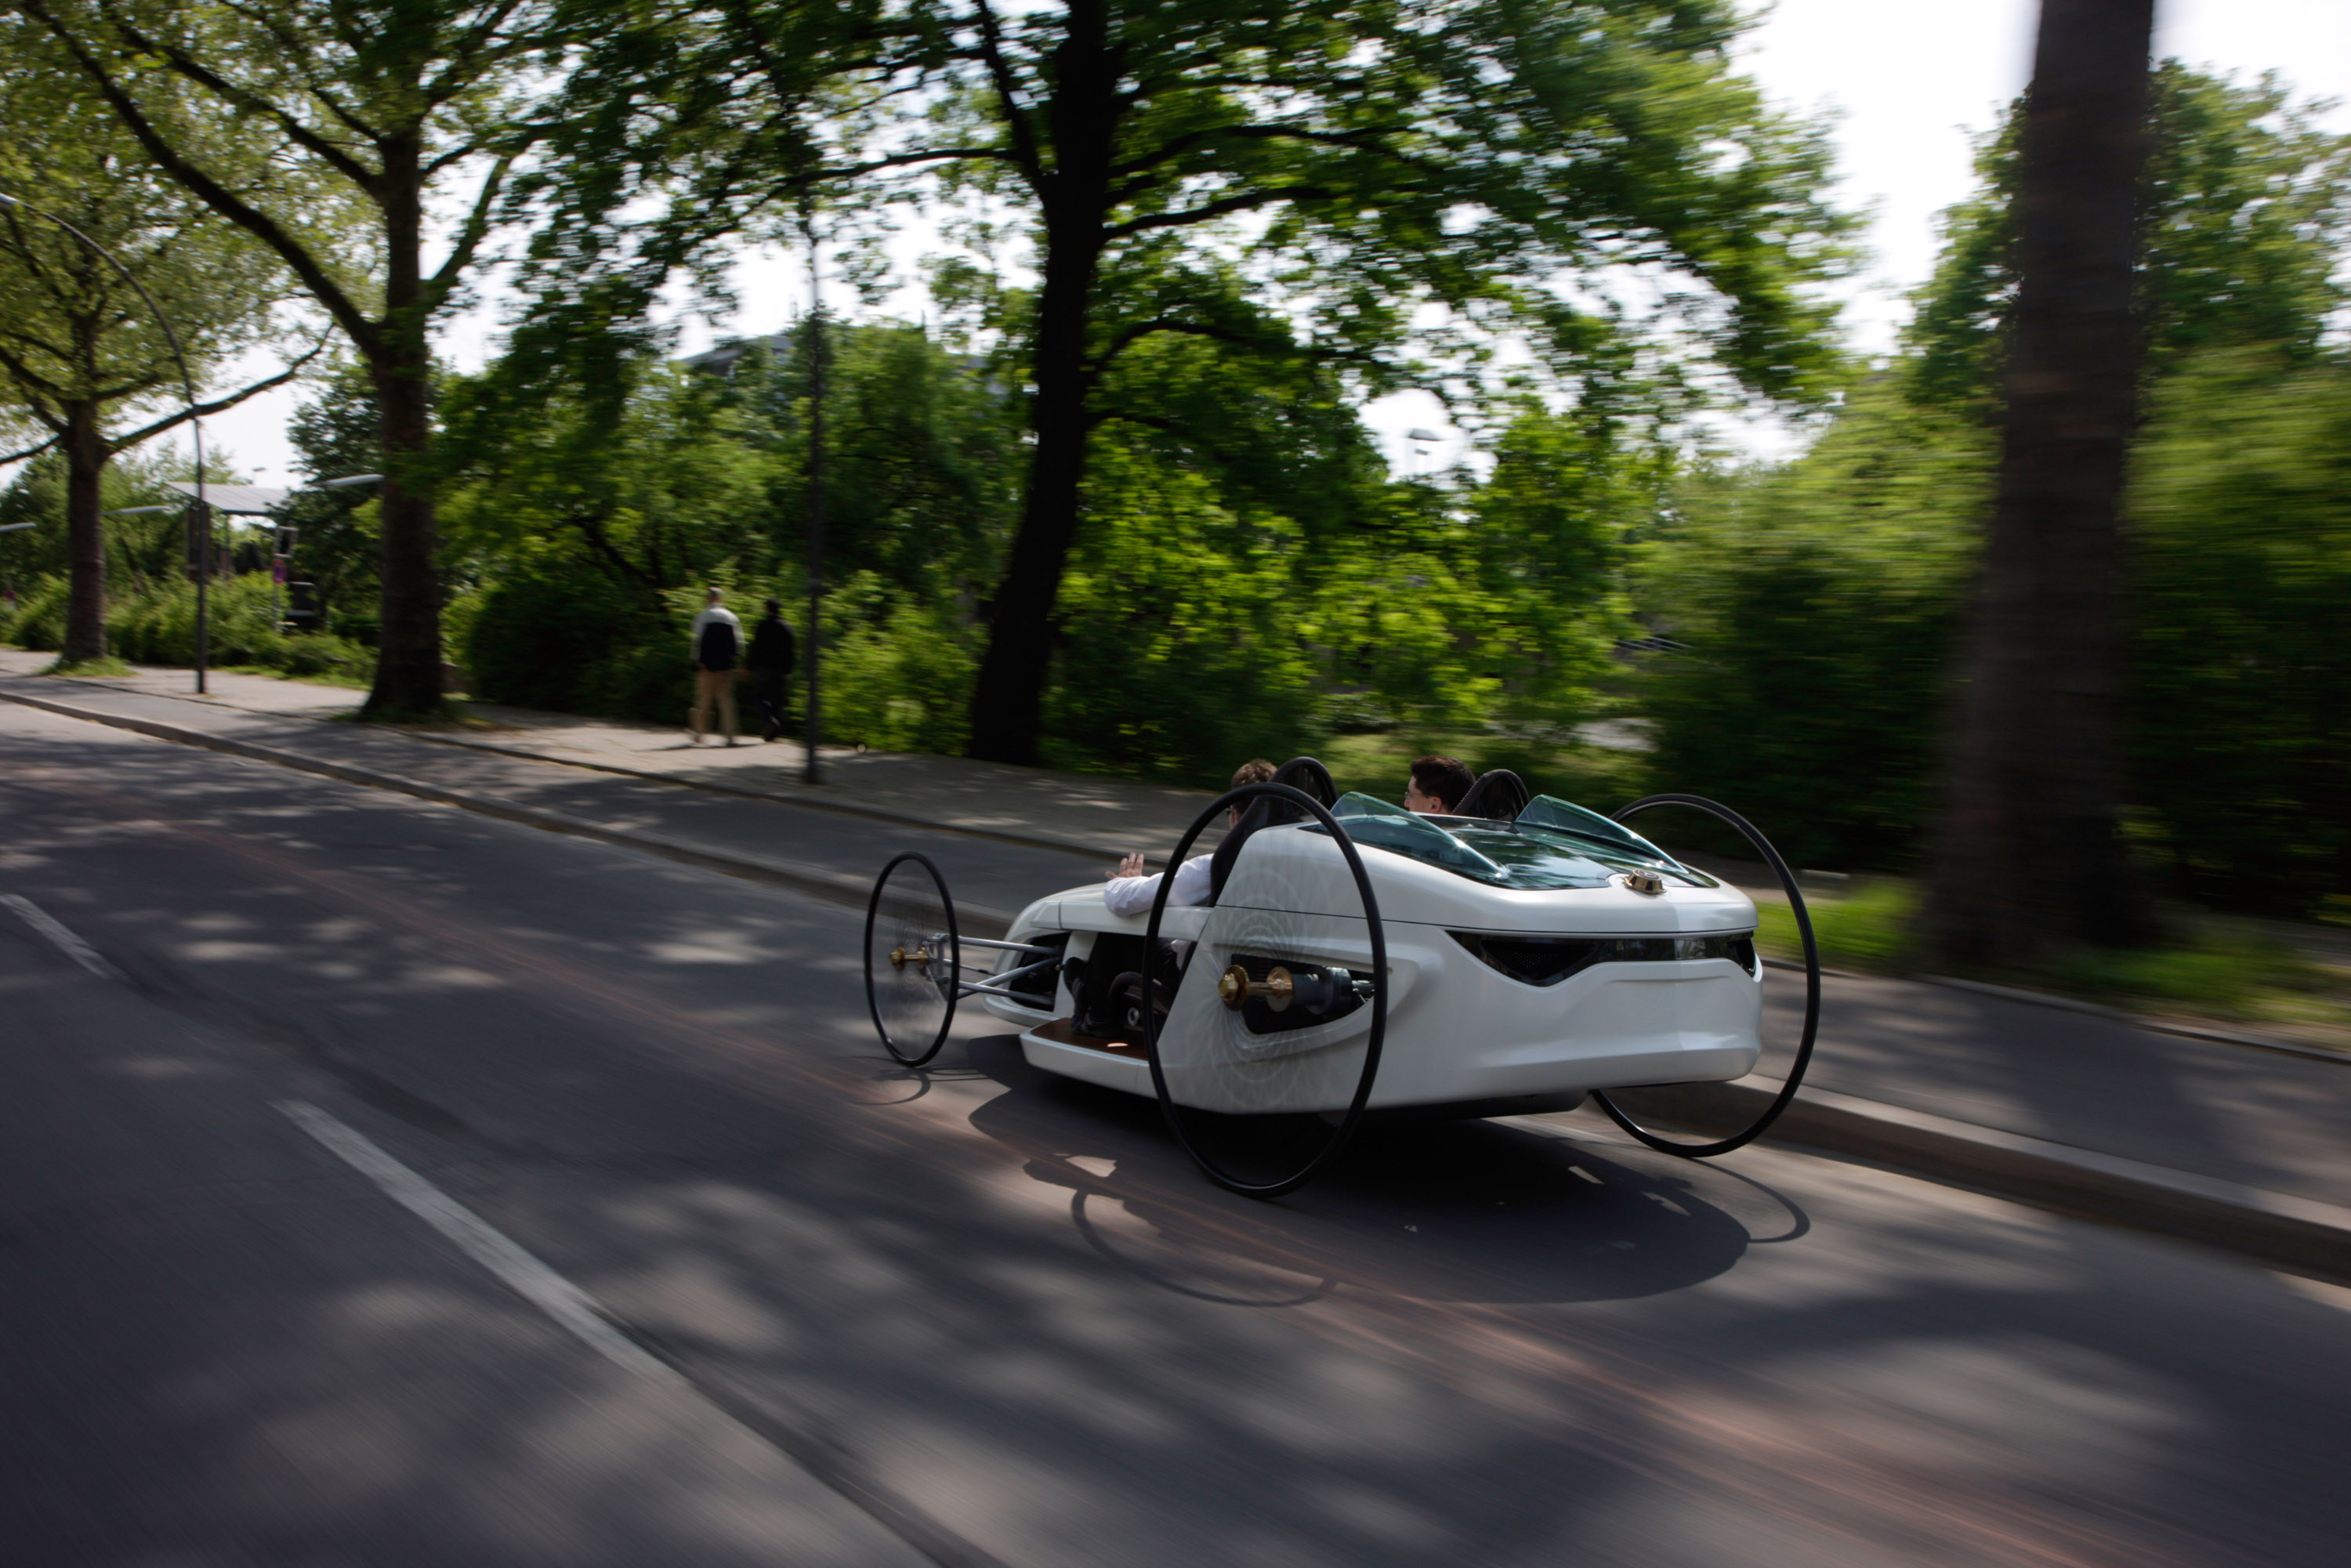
[1369, 1073]
[903, 997]
[1796, 1078]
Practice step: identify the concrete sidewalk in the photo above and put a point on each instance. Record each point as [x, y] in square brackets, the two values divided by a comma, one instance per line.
[1089, 815]
[2244, 1148]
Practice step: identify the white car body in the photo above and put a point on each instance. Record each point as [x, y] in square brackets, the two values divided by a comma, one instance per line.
[1462, 1031]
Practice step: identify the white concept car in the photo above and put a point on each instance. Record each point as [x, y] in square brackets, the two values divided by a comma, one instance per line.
[1356, 957]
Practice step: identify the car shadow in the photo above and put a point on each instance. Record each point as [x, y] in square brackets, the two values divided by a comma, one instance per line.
[1464, 1211]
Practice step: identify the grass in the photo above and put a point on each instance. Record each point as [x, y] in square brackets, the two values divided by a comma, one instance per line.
[109, 665]
[322, 678]
[1867, 929]
[452, 714]
[2210, 969]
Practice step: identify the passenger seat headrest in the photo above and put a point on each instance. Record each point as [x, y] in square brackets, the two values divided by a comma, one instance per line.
[1499, 796]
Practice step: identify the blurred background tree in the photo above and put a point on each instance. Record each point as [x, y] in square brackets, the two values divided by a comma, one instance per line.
[1347, 186]
[383, 107]
[85, 371]
[1821, 595]
[1259, 235]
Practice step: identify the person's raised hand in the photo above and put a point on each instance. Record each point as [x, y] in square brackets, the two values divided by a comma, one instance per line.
[1132, 865]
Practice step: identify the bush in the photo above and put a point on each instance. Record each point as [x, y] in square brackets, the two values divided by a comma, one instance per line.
[560, 635]
[39, 620]
[155, 623]
[2240, 739]
[897, 673]
[1820, 601]
[1186, 635]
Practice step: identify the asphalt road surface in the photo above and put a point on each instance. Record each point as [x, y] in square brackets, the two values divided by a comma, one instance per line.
[383, 1183]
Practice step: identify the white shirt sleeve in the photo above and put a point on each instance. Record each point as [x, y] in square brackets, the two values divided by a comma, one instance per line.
[1191, 880]
[1132, 894]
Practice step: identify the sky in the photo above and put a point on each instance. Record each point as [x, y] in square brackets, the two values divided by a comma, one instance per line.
[1908, 84]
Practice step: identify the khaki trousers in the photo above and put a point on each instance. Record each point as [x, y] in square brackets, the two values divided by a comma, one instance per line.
[709, 684]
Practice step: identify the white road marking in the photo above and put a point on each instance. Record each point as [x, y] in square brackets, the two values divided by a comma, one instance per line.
[74, 947]
[521, 1273]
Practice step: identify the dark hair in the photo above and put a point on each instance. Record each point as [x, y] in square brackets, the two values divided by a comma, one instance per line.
[1442, 779]
[1256, 771]
[775, 607]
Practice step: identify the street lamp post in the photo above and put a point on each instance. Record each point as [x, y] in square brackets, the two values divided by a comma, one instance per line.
[195, 423]
[810, 773]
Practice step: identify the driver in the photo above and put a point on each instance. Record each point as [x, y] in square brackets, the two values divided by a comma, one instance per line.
[1436, 785]
[1131, 891]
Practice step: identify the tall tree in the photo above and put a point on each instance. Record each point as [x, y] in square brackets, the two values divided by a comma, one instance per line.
[1296, 180]
[2028, 851]
[391, 105]
[81, 350]
[2244, 214]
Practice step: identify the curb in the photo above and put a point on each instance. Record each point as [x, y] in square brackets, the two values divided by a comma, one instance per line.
[2300, 1235]
[2146, 1021]
[833, 887]
[2142, 1021]
[839, 807]
[843, 808]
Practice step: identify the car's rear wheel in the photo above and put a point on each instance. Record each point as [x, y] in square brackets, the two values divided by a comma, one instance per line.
[1269, 1043]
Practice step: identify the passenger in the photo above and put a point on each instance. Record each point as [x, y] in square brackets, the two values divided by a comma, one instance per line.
[1131, 891]
[1436, 785]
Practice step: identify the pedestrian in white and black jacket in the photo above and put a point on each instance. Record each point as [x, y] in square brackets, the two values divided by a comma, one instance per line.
[718, 639]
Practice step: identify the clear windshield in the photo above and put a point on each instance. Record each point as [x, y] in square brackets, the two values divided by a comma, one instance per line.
[1566, 817]
[1522, 854]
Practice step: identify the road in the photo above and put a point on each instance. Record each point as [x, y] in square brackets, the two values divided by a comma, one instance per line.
[969, 1316]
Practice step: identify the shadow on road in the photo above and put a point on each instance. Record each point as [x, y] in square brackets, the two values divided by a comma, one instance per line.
[1465, 1211]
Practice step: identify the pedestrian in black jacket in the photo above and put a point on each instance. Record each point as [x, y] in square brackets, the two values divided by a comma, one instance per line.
[770, 664]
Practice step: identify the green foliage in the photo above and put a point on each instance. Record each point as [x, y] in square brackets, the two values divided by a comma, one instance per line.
[596, 511]
[554, 633]
[897, 671]
[1437, 153]
[155, 623]
[1212, 616]
[2240, 742]
[1868, 929]
[72, 330]
[1186, 631]
[1822, 597]
[339, 545]
[1819, 600]
[2246, 205]
[1216, 608]
[2206, 967]
[137, 548]
[2221, 974]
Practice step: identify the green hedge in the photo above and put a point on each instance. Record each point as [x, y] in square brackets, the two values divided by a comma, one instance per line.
[154, 623]
[562, 636]
[1821, 601]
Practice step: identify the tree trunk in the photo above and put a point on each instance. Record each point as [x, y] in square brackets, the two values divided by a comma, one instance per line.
[86, 456]
[408, 647]
[2027, 856]
[1008, 700]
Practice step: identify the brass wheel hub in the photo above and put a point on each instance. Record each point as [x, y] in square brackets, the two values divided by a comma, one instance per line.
[1234, 987]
